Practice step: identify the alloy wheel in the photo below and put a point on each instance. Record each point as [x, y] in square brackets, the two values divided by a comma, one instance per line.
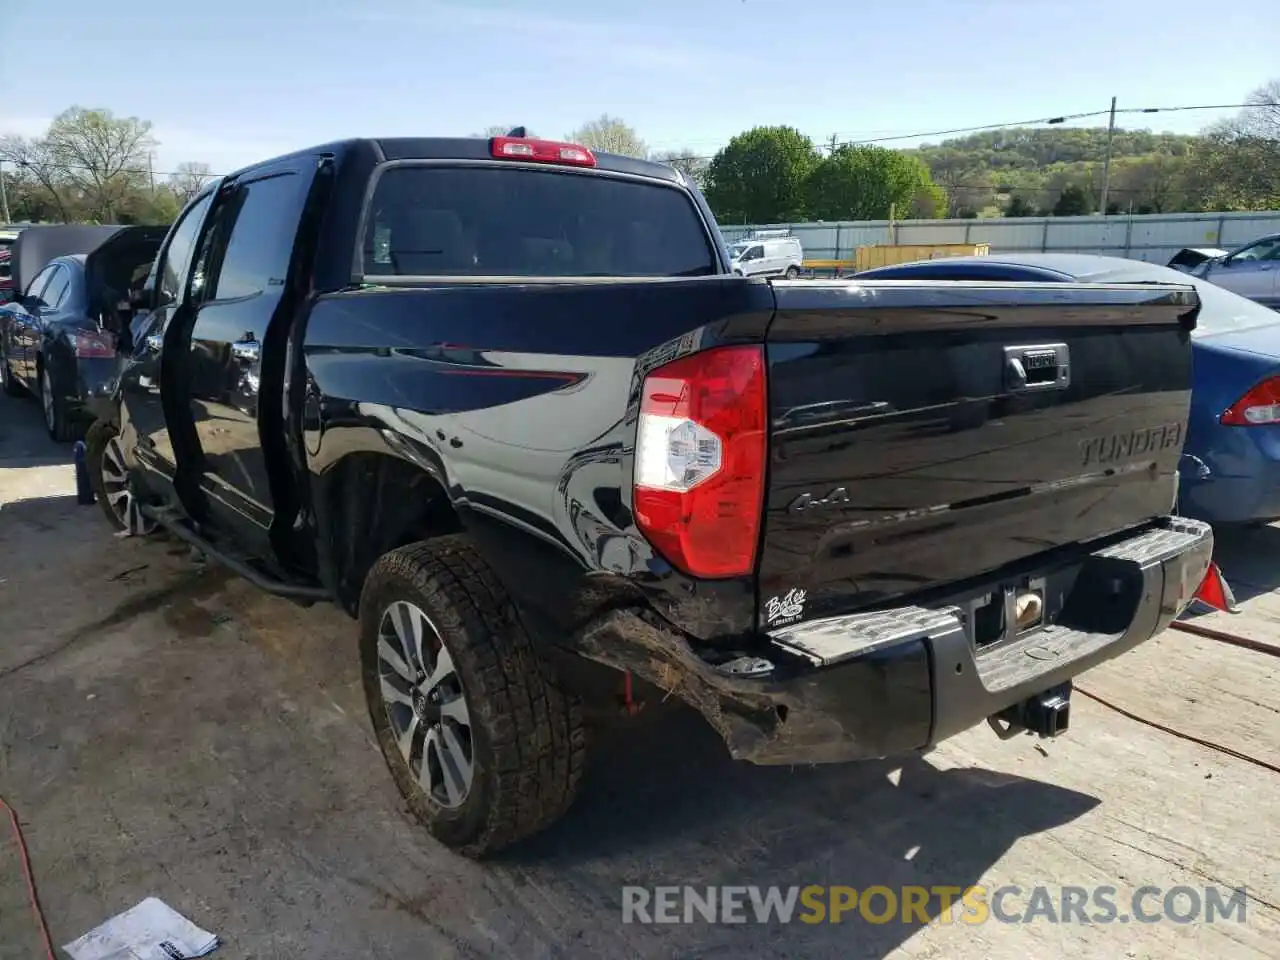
[120, 498]
[425, 704]
[46, 401]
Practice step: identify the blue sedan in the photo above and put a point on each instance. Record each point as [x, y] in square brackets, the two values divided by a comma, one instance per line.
[1230, 471]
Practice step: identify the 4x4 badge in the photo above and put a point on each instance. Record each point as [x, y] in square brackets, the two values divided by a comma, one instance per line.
[807, 501]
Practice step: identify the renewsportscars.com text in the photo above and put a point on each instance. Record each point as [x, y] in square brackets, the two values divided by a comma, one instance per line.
[919, 905]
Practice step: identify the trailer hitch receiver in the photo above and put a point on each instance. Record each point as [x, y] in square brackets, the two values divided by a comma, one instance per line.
[1047, 714]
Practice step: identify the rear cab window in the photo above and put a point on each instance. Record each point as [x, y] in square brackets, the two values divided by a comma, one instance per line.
[507, 221]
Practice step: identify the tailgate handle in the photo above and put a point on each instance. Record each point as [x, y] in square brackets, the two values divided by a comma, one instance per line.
[1033, 367]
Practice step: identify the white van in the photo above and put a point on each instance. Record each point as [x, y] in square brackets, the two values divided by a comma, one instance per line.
[766, 255]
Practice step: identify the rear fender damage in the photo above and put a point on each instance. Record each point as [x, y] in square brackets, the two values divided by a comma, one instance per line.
[873, 707]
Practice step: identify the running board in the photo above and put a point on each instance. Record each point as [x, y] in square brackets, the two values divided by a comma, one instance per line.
[290, 591]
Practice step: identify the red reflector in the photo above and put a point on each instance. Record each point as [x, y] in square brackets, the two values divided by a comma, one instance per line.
[1259, 406]
[92, 345]
[541, 151]
[1215, 592]
[700, 460]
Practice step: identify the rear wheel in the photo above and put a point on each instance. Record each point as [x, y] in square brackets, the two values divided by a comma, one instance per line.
[482, 741]
[109, 478]
[56, 420]
[792, 272]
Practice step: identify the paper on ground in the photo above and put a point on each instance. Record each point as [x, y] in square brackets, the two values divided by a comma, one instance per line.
[150, 931]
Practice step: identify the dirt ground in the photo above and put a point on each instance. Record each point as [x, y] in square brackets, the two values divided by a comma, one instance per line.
[165, 730]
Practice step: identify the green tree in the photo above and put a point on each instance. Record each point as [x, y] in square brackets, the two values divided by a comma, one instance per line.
[609, 135]
[104, 158]
[92, 167]
[38, 192]
[964, 178]
[760, 176]
[1241, 156]
[979, 170]
[1019, 206]
[870, 183]
[1074, 201]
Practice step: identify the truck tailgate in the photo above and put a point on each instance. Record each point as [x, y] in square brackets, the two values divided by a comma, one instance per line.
[926, 433]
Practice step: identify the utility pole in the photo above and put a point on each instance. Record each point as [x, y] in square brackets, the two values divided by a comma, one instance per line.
[4, 197]
[833, 145]
[152, 176]
[1106, 164]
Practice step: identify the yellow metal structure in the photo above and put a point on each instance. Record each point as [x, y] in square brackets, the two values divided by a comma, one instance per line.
[884, 255]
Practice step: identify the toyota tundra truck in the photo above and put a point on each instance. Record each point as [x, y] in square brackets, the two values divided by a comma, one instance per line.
[505, 404]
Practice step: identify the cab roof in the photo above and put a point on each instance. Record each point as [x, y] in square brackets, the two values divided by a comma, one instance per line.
[462, 148]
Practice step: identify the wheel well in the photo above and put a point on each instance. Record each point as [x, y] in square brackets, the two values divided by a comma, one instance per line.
[376, 503]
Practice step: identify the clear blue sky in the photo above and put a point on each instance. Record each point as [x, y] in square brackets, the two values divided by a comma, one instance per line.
[234, 81]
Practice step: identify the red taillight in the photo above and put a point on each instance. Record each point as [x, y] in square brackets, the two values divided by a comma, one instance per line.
[541, 151]
[87, 344]
[700, 460]
[1259, 406]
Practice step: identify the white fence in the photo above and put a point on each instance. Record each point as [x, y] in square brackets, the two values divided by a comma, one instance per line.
[1155, 237]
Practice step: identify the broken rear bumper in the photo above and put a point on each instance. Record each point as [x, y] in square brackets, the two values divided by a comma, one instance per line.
[890, 682]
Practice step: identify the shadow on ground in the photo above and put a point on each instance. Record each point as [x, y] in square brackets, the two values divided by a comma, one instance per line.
[23, 521]
[664, 805]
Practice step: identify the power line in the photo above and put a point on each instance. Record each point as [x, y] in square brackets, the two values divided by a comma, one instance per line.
[1063, 118]
[140, 171]
[978, 129]
[1203, 106]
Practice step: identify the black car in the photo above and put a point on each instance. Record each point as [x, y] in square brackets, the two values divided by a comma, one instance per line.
[70, 311]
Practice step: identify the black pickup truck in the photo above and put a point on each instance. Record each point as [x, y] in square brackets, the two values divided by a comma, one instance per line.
[503, 402]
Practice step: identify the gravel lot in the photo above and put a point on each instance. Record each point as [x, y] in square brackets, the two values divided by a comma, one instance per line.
[167, 730]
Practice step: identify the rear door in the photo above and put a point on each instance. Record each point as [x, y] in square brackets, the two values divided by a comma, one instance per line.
[924, 433]
[39, 313]
[23, 320]
[141, 380]
[776, 256]
[240, 280]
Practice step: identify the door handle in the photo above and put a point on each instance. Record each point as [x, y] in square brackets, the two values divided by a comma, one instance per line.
[247, 350]
[1035, 367]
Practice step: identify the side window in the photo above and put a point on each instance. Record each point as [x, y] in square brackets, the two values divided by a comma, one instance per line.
[36, 287]
[255, 228]
[178, 254]
[1262, 250]
[755, 253]
[57, 289]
